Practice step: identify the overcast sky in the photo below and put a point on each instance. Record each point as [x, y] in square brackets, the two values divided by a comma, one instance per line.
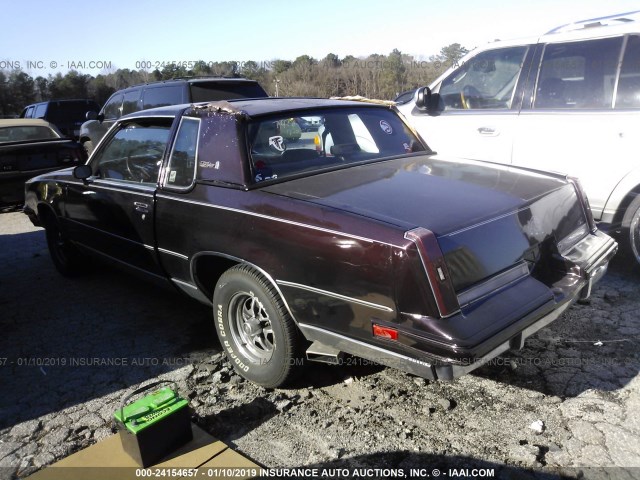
[124, 33]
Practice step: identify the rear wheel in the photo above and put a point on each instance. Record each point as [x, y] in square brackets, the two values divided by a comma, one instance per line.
[631, 229]
[65, 256]
[255, 330]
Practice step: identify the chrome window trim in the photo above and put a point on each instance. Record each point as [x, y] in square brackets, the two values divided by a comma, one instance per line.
[110, 184]
[175, 254]
[165, 171]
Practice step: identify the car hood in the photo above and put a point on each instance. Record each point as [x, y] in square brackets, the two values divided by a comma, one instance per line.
[423, 191]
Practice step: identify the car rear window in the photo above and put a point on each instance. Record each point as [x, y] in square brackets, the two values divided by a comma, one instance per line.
[65, 111]
[209, 92]
[19, 134]
[279, 147]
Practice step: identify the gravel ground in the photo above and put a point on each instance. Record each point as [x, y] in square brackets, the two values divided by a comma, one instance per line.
[72, 347]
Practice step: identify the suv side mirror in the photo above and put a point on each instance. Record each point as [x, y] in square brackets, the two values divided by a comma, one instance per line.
[92, 115]
[427, 101]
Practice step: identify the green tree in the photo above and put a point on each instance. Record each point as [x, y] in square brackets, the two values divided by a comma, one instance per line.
[451, 54]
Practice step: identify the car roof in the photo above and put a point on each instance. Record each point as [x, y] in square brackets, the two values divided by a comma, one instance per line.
[24, 122]
[83, 100]
[188, 80]
[255, 107]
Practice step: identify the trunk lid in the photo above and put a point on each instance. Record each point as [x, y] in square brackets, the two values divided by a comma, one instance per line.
[486, 217]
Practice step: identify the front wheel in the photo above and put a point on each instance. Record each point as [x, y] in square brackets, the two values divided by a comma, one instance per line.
[65, 256]
[255, 330]
[631, 228]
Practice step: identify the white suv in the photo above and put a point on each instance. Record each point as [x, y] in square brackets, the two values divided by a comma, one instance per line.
[568, 101]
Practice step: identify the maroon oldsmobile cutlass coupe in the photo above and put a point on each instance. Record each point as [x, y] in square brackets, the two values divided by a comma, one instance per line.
[353, 239]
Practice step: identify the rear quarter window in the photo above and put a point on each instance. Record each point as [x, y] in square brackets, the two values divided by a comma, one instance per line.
[203, 92]
[578, 75]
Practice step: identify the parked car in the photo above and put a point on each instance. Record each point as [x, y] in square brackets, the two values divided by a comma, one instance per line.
[397, 256]
[309, 124]
[567, 101]
[29, 147]
[160, 94]
[66, 115]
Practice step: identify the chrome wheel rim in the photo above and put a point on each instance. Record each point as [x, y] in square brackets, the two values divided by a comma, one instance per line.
[251, 327]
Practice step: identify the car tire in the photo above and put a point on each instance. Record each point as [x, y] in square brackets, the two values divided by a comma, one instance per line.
[255, 329]
[631, 229]
[88, 146]
[65, 256]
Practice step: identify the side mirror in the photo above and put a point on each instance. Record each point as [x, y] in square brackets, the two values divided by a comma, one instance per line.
[82, 172]
[427, 101]
[91, 115]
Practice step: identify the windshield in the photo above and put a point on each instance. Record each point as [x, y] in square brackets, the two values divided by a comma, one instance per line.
[282, 146]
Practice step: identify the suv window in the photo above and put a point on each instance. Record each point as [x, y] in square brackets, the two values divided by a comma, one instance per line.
[182, 163]
[629, 84]
[134, 153]
[163, 96]
[578, 75]
[207, 92]
[41, 111]
[65, 111]
[113, 108]
[487, 81]
[130, 103]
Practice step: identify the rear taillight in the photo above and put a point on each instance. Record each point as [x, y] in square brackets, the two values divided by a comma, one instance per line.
[436, 269]
[584, 202]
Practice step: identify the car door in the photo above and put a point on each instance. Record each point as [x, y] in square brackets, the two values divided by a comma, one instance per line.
[479, 107]
[112, 213]
[570, 125]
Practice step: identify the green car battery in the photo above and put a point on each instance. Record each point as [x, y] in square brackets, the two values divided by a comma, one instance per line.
[153, 426]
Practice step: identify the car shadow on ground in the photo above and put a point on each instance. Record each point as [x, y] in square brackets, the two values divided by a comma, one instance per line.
[76, 341]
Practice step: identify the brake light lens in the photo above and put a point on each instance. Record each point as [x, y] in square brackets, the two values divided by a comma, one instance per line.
[385, 332]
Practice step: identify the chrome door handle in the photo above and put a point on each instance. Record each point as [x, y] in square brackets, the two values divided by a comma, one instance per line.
[141, 207]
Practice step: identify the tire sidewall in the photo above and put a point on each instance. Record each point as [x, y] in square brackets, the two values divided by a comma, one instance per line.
[65, 257]
[268, 373]
[630, 229]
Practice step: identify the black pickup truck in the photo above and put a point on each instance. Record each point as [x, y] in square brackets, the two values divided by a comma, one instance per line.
[353, 239]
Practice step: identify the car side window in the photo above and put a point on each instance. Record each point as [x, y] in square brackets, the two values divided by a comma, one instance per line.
[182, 162]
[113, 109]
[134, 153]
[486, 81]
[628, 95]
[578, 75]
[41, 111]
[130, 103]
[162, 96]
